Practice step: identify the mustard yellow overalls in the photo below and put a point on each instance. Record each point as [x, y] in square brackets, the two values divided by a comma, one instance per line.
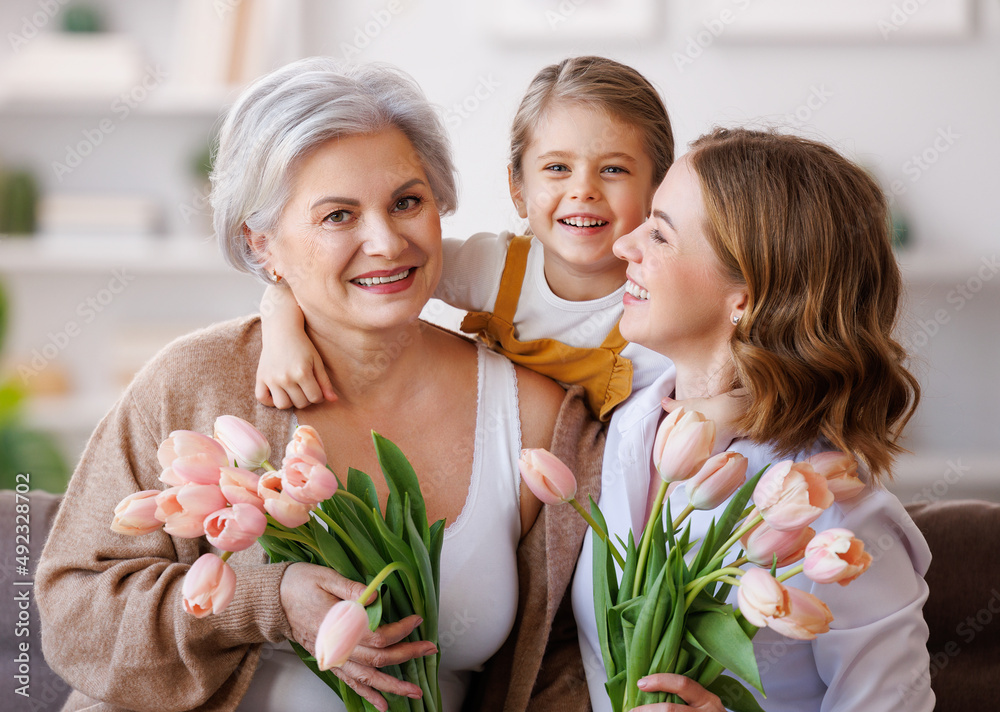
[604, 373]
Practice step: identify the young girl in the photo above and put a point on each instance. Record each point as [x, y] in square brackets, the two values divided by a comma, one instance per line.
[590, 142]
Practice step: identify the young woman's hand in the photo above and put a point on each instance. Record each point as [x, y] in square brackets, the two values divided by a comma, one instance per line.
[308, 591]
[290, 371]
[725, 409]
[696, 696]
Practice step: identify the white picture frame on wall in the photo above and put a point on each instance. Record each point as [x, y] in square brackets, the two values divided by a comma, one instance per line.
[843, 20]
[551, 20]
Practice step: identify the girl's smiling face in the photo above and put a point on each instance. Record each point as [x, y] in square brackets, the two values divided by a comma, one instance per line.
[678, 300]
[586, 181]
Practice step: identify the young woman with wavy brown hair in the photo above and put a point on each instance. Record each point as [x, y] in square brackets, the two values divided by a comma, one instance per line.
[766, 265]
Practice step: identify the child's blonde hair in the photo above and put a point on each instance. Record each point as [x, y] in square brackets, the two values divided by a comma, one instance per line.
[599, 83]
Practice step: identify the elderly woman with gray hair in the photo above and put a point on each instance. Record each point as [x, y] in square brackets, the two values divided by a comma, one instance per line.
[331, 180]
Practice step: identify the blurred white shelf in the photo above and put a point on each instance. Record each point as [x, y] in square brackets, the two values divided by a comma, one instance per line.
[168, 100]
[927, 268]
[87, 255]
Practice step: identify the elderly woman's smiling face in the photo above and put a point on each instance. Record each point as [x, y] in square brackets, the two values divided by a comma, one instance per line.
[359, 241]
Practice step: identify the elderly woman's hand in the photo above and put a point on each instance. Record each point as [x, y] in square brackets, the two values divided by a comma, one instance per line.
[696, 696]
[308, 592]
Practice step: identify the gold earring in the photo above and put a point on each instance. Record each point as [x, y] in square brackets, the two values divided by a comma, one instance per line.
[277, 277]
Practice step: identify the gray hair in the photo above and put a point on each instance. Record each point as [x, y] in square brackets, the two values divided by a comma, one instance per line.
[284, 115]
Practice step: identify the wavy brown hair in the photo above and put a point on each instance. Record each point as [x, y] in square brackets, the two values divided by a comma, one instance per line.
[807, 232]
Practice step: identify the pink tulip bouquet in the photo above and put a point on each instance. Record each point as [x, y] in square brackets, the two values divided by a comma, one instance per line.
[302, 512]
[661, 603]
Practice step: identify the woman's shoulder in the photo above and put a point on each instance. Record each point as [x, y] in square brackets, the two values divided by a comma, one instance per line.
[209, 371]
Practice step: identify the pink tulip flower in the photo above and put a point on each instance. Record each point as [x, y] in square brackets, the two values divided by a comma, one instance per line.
[763, 543]
[765, 602]
[244, 444]
[547, 476]
[806, 618]
[235, 528]
[239, 486]
[307, 480]
[183, 509]
[836, 556]
[136, 514]
[209, 586]
[184, 443]
[170, 479]
[339, 634]
[761, 597]
[683, 443]
[717, 480]
[306, 441]
[841, 472]
[279, 504]
[791, 495]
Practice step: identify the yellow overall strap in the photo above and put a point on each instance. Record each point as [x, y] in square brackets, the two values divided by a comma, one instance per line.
[604, 373]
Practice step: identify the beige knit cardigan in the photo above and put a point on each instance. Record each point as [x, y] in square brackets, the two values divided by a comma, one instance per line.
[112, 622]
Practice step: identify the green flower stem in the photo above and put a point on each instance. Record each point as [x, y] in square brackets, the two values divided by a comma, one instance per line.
[225, 555]
[647, 537]
[739, 562]
[737, 535]
[791, 572]
[682, 516]
[341, 492]
[268, 466]
[696, 586]
[377, 581]
[597, 530]
[339, 531]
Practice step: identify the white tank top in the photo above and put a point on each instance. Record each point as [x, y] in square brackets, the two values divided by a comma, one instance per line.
[478, 565]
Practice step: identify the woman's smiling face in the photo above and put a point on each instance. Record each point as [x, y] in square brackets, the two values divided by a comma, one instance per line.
[678, 301]
[359, 240]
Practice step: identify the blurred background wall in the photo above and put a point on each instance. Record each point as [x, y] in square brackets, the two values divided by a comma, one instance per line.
[105, 131]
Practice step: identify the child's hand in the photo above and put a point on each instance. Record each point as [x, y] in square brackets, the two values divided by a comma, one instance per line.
[725, 409]
[290, 371]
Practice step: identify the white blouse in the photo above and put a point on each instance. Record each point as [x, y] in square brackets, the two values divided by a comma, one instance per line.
[875, 655]
[478, 566]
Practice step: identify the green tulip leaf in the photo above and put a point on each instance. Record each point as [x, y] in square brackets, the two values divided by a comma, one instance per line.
[425, 572]
[628, 575]
[734, 695]
[605, 588]
[722, 639]
[641, 649]
[401, 479]
[361, 486]
[616, 690]
[374, 611]
[332, 552]
[657, 556]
